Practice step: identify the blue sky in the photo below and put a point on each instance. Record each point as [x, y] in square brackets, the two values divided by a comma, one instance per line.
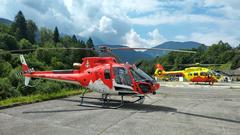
[136, 23]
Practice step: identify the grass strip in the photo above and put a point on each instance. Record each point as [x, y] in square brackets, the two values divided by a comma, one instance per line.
[16, 101]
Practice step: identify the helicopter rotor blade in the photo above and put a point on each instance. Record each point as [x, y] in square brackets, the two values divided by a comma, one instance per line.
[103, 48]
[157, 49]
[138, 64]
[196, 64]
[71, 48]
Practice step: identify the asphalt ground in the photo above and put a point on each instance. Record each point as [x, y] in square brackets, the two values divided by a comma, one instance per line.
[172, 111]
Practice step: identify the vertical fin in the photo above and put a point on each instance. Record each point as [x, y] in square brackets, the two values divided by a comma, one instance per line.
[24, 64]
[25, 70]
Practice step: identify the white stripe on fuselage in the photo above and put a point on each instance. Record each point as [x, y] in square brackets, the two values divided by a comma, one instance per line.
[99, 86]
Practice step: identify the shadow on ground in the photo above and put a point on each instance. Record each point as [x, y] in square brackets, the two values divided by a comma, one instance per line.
[142, 108]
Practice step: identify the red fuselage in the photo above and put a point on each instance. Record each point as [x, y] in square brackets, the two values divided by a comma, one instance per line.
[104, 75]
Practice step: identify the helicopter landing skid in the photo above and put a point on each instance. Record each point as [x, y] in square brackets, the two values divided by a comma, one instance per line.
[106, 102]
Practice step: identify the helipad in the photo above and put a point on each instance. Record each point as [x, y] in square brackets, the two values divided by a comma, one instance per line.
[173, 111]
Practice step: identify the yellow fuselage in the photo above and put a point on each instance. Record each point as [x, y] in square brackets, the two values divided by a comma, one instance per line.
[194, 74]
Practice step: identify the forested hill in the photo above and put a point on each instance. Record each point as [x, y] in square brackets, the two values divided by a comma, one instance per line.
[133, 56]
[220, 53]
[172, 45]
[130, 56]
[21, 34]
[5, 21]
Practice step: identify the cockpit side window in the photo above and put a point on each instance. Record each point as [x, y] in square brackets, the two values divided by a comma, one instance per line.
[122, 76]
[195, 74]
[203, 74]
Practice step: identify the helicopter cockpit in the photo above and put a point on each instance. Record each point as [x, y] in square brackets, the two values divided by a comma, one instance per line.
[134, 77]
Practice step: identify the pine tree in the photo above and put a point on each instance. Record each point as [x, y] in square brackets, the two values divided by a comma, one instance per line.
[74, 38]
[89, 43]
[46, 35]
[31, 30]
[19, 26]
[56, 35]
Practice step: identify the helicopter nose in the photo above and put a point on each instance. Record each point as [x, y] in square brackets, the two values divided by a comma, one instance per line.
[148, 88]
[156, 86]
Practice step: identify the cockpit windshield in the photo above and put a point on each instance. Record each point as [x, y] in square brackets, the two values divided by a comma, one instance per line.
[139, 75]
[216, 74]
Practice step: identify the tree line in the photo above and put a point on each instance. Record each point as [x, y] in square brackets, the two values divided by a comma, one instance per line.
[221, 53]
[25, 34]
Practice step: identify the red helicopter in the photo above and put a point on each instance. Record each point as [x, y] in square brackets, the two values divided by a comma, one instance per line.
[104, 75]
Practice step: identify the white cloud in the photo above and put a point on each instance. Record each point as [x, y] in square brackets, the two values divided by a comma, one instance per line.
[181, 37]
[209, 38]
[229, 8]
[155, 37]
[133, 39]
[121, 8]
[174, 18]
[155, 19]
[105, 25]
[232, 3]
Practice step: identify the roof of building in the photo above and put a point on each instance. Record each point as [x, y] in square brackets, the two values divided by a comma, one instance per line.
[235, 72]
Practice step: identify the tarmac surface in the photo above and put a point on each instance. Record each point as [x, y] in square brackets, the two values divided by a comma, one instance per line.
[172, 111]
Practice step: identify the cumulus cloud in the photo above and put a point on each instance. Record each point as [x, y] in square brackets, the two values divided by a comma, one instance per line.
[109, 31]
[133, 39]
[211, 38]
[105, 25]
[155, 38]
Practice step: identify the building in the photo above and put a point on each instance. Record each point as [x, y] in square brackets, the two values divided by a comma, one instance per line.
[231, 75]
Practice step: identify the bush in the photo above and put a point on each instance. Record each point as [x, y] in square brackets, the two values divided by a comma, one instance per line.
[25, 44]
[5, 68]
[8, 42]
[48, 87]
[6, 89]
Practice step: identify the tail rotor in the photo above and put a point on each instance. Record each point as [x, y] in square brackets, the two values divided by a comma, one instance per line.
[159, 70]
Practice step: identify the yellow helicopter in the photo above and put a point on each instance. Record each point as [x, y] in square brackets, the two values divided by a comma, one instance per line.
[193, 74]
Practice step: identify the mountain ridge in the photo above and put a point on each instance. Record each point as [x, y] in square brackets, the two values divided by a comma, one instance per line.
[172, 45]
[5, 21]
[133, 56]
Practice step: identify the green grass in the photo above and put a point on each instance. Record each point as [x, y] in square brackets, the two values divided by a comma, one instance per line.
[37, 97]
